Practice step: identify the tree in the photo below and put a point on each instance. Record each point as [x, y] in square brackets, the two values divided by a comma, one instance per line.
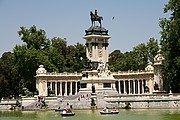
[75, 58]
[115, 59]
[57, 53]
[79, 57]
[9, 79]
[30, 55]
[114, 56]
[54, 54]
[152, 48]
[34, 38]
[137, 59]
[170, 42]
[141, 56]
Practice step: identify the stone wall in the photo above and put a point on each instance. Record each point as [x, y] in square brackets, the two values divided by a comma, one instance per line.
[146, 101]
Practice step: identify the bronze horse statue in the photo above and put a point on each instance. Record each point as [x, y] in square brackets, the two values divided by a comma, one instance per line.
[95, 17]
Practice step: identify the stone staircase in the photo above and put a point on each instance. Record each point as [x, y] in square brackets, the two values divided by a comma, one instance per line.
[80, 101]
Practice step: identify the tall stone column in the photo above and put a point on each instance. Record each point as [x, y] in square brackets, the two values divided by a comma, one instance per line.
[119, 83]
[56, 88]
[106, 50]
[129, 86]
[125, 92]
[76, 88]
[60, 87]
[50, 85]
[94, 52]
[134, 87]
[138, 86]
[143, 83]
[70, 88]
[65, 91]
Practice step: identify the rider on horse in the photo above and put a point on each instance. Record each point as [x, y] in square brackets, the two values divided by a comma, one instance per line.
[95, 17]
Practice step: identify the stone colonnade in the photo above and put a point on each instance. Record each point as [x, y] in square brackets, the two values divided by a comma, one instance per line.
[65, 84]
[63, 88]
[132, 86]
[71, 87]
[134, 82]
[66, 88]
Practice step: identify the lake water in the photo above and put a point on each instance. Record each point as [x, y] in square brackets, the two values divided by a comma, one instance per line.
[133, 114]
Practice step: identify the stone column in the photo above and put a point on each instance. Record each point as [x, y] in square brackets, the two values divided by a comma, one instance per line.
[143, 86]
[96, 51]
[125, 92]
[93, 52]
[55, 88]
[138, 86]
[134, 87]
[76, 87]
[70, 88]
[65, 91]
[146, 84]
[50, 85]
[104, 52]
[129, 86]
[119, 83]
[60, 87]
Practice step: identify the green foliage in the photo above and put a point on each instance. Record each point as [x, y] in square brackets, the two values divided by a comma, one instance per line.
[8, 75]
[170, 42]
[137, 59]
[141, 56]
[152, 48]
[34, 38]
[54, 54]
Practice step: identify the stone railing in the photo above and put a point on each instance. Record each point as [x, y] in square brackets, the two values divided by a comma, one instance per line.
[8, 101]
[150, 97]
[132, 72]
[62, 74]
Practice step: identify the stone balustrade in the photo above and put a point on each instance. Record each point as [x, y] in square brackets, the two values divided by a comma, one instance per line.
[132, 72]
[138, 98]
[61, 74]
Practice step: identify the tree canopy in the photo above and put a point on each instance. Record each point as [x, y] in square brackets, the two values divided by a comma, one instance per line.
[170, 42]
[137, 59]
[20, 66]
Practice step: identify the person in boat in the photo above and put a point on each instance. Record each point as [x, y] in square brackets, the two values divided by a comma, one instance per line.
[114, 109]
[64, 111]
[105, 109]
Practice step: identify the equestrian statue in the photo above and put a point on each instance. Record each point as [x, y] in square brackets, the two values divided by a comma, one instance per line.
[95, 17]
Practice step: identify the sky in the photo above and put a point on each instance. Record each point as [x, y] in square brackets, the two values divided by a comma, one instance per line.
[135, 21]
